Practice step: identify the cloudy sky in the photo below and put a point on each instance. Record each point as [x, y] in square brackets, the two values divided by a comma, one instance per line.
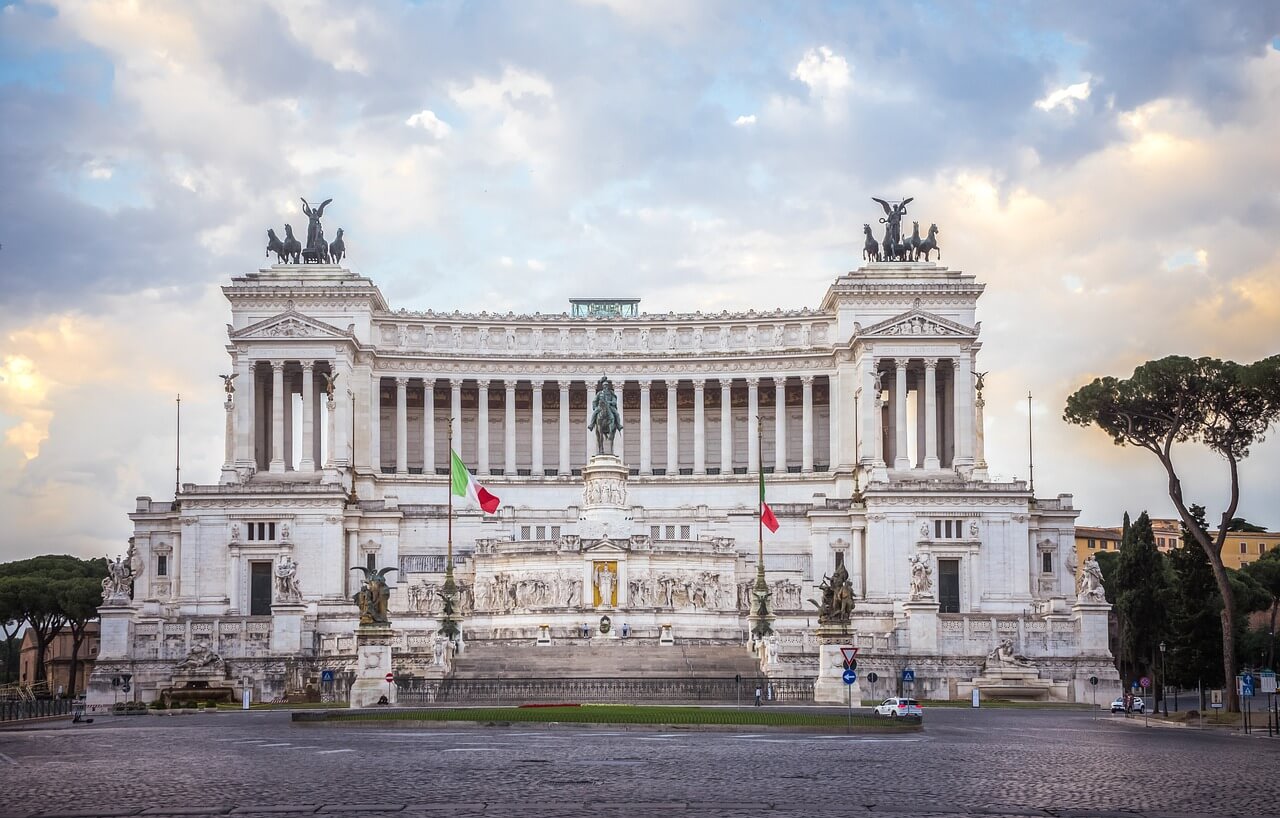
[1109, 170]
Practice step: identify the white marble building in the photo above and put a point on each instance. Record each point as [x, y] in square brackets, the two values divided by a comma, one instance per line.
[870, 435]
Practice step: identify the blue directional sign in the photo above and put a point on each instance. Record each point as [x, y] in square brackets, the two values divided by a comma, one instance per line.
[908, 675]
[850, 676]
[326, 675]
[1246, 684]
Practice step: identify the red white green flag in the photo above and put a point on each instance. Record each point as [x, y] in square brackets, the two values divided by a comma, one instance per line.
[464, 485]
[766, 514]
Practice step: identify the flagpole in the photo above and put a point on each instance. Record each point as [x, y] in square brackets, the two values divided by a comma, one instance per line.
[760, 617]
[449, 626]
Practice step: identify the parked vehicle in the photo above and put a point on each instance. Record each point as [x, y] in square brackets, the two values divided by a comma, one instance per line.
[895, 706]
[1136, 705]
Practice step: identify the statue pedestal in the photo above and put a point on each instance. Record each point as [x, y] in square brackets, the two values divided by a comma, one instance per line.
[1091, 618]
[922, 620]
[605, 513]
[116, 631]
[829, 688]
[373, 663]
[286, 627]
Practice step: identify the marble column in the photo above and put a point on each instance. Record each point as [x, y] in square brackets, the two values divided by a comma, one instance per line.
[753, 425]
[244, 412]
[620, 440]
[900, 460]
[931, 413]
[402, 425]
[307, 461]
[482, 430]
[591, 435]
[428, 426]
[779, 425]
[289, 451]
[563, 466]
[455, 414]
[699, 427]
[277, 417]
[726, 426]
[963, 408]
[646, 430]
[918, 463]
[806, 429]
[535, 432]
[375, 423]
[673, 430]
[833, 421]
[509, 428]
[331, 404]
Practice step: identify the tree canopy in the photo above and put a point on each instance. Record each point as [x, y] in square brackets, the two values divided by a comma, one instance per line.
[49, 593]
[1223, 405]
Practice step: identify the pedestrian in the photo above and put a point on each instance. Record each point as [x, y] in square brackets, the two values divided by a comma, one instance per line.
[757, 695]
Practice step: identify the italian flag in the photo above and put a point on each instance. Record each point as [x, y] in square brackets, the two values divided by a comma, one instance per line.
[464, 485]
[766, 514]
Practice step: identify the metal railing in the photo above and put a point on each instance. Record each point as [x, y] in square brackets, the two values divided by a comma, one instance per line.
[601, 689]
[20, 710]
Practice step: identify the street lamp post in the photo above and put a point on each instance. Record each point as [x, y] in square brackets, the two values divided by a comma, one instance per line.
[1164, 681]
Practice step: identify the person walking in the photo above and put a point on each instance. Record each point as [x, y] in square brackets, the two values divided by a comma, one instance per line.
[757, 695]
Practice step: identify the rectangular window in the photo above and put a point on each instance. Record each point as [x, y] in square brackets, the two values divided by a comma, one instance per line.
[259, 588]
[540, 532]
[524, 532]
[937, 529]
[671, 532]
[949, 586]
[1046, 562]
[1093, 544]
[1244, 548]
[1262, 548]
[959, 529]
[162, 565]
[684, 532]
[555, 532]
[371, 562]
[655, 532]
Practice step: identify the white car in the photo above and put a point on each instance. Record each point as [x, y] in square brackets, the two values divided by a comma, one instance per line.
[1137, 705]
[895, 706]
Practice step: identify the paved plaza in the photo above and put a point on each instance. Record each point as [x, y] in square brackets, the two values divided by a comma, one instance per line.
[986, 762]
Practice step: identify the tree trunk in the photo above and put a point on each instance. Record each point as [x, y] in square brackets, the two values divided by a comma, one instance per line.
[1214, 552]
[77, 638]
[1271, 644]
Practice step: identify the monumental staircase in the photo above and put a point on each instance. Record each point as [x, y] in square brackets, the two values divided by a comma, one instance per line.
[615, 670]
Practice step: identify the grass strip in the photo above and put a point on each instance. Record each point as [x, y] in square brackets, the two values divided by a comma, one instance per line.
[624, 714]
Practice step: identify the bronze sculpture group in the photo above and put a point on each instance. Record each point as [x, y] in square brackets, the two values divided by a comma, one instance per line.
[316, 251]
[836, 607]
[894, 247]
[605, 419]
[373, 597]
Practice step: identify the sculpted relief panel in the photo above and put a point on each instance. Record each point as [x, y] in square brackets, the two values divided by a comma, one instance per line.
[693, 336]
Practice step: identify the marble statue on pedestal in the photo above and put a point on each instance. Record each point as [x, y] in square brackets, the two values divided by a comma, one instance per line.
[1091, 582]
[921, 577]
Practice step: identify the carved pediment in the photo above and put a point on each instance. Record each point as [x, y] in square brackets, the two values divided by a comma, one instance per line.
[604, 546]
[920, 324]
[290, 324]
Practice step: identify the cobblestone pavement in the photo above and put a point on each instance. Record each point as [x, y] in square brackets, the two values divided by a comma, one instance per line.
[987, 762]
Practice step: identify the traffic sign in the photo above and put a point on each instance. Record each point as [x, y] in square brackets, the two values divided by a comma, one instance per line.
[1267, 679]
[849, 653]
[391, 677]
[872, 677]
[1135, 685]
[326, 675]
[1145, 681]
[1246, 684]
[908, 675]
[1215, 699]
[850, 677]
[1093, 680]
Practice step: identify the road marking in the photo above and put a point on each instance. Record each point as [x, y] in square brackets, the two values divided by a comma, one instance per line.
[281, 744]
[327, 752]
[7, 759]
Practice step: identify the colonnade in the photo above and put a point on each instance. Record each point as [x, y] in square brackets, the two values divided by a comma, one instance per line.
[943, 391]
[524, 401]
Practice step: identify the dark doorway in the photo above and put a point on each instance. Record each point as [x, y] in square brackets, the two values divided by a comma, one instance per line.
[949, 586]
[260, 589]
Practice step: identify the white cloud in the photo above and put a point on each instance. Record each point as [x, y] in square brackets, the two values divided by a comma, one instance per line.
[535, 265]
[1065, 97]
[505, 261]
[429, 122]
[745, 120]
[826, 73]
